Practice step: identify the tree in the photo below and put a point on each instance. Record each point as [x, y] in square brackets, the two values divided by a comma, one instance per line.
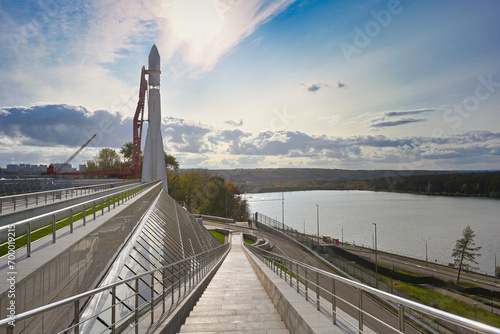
[171, 162]
[127, 151]
[465, 251]
[107, 158]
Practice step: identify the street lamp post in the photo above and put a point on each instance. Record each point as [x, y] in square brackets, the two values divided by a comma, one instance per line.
[426, 258]
[317, 219]
[283, 210]
[495, 271]
[376, 258]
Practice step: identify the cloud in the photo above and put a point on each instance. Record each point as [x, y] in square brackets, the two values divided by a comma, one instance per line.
[51, 133]
[397, 118]
[186, 136]
[408, 112]
[201, 32]
[63, 125]
[62, 51]
[234, 123]
[403, 121]
[314, 87]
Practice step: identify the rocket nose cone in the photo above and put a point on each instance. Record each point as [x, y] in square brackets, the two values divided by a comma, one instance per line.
[154, 58]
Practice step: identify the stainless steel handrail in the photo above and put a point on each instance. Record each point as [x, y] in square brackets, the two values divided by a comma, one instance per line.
[53, 194]
[189, 271]
[287, 266]
[122, 196]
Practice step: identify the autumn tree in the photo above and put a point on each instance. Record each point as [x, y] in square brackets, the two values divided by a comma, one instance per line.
[465, 251]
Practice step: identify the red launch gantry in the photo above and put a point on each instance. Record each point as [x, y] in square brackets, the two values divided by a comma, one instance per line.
[135, 168]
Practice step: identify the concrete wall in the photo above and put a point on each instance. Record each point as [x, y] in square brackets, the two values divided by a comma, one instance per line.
[298, 316]
[77, 268]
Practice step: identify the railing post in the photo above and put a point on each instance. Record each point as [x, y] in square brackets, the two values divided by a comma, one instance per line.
[109, 203]
[102, 207]
[1, 205]
[9, 329]
[136, 313]
[291, 272]
[93, 202]
[77, 317]
[53, 229]
[14, 200]
[113, 310]
[334, 303]
[164, 277]
[360, 310]
[28, 240]
[70, 220]
[172, 285]
[401, 315]
[185, 277]
[60, 195]
[306, 281]
[317, 291]
[297, 273]
[45, 198]
[179, 280]
[84, 216]
[26, 199]
[152, 298]
[36, 201]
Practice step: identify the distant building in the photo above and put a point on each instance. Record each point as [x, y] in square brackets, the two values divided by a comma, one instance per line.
[13, 168]
[26, 168]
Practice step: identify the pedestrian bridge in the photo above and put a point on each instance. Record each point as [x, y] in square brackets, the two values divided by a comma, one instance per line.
[134, 261]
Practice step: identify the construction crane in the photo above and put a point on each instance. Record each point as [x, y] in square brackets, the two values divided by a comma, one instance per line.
[133, 169]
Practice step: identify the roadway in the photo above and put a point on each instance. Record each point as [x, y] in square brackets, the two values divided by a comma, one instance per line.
[424, 268]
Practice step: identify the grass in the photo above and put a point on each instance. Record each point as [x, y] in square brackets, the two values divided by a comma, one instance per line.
[446, 303]
[220, 236]
[248, 240]
[21, 240]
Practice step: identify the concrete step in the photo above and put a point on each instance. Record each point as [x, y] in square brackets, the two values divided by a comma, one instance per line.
[235, 301]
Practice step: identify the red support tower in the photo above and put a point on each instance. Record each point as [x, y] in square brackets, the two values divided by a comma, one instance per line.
[138, 121]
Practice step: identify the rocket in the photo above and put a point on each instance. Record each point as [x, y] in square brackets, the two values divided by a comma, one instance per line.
[153, 167]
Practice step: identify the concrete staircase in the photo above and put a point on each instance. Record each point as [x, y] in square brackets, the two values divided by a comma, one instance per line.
[235, 301]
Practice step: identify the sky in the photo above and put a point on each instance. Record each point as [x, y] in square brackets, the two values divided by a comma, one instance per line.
[404, 85]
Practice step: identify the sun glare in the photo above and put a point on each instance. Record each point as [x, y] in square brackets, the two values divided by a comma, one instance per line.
[195, 21]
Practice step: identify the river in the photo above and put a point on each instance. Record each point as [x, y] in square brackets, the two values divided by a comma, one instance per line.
[404, 222]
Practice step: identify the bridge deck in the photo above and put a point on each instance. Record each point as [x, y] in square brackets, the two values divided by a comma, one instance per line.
[235, 301]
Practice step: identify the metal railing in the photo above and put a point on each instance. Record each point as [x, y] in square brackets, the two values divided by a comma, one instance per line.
[87, 208]
[16, 202]
[169, 284]
[323, 285]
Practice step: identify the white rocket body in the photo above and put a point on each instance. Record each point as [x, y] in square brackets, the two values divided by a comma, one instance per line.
[153, 167]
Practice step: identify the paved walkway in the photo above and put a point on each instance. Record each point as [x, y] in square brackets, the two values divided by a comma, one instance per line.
[235, 301]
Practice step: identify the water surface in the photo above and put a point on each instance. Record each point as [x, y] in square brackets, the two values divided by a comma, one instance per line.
[404, 221]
